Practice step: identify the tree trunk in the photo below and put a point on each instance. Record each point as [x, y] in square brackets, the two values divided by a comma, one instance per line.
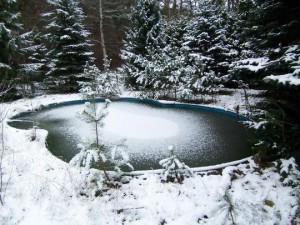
[181, 6]
[175, 8]
[102, 40]
[167, 5]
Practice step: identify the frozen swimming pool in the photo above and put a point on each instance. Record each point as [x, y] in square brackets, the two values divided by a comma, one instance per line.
[201, 137]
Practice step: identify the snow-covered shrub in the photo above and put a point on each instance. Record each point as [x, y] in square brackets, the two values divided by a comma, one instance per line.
[290, 173]
[173, 168]
[286, 69]
[118, 158]
[98, 83]
[104, 157]
[184, 91]
[274, 136]
[91, 87]
[33, 135]
[110, 82]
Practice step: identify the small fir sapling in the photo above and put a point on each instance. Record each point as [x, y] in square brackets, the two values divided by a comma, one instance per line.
[232, 210]
[93, 152]
[96, 153]
[90, 88]
[173, 168]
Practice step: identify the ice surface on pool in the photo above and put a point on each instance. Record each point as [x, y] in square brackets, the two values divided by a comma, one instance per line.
[201, 138]
[132, 124]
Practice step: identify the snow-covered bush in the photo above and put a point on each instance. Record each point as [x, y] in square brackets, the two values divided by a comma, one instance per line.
[91, 87]
[286, 68]
[110, 82]
[173, 168]
[274, 136]
[235, 211]
[104, 157]
[100, 84]
[118, 158]
[290, 173]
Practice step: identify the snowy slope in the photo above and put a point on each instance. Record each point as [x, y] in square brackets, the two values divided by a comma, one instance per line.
[39, 188]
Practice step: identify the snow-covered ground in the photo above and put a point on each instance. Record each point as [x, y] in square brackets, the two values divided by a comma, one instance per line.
[39, 188]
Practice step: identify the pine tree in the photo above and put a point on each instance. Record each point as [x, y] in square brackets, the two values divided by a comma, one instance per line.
[70, 49]
[93, 153]
[143, 43]
[9, 44]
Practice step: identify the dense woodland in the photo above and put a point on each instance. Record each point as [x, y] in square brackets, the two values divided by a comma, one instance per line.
[176, 48]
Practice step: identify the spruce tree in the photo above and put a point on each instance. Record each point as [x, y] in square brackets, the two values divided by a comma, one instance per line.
[207, 34]
[34, 51]
[175, 56]
[70, 49]
[143, 43]
[9, 45]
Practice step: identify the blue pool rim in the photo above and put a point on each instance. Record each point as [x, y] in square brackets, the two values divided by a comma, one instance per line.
[141, 100]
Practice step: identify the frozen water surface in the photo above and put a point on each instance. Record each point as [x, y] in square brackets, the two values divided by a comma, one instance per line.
[200, 138]
[134, 122]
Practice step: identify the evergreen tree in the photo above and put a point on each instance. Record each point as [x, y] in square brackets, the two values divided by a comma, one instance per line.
[110, 81]
[91, 87]
[9, 44]
[143, 43]
[70, 49]
[35, 51]
[175, 56]
[35, 66]
[270, 33]
[100, 84]
[208, 34]
[173, 168]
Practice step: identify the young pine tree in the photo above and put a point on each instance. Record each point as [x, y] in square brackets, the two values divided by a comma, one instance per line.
[173, 168]
[95, 153]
